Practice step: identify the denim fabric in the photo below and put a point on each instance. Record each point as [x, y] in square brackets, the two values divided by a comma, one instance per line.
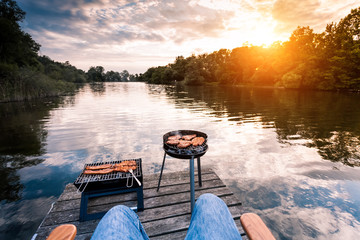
[211, 219]
[120, 222]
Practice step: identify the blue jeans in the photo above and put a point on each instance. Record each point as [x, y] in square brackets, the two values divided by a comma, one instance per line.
[211, 219]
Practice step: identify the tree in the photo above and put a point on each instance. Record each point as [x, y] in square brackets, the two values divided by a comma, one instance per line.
[179, 68]
[112, 76]
[345, 67]
[124, 76]
[11, 11]
[96, 74]
[16, 46]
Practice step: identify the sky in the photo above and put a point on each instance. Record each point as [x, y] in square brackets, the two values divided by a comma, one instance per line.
[136, 35]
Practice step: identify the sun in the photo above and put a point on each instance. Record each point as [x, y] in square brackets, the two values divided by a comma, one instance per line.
[259, 33]
[252, 28]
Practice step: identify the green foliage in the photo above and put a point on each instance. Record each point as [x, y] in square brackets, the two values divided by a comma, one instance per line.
[96, 74]
[16, 46]
[112, 76]
[291, 80]
[23, 74]
[326, 61]
[11, 11]
[26, 84]
[61, 71]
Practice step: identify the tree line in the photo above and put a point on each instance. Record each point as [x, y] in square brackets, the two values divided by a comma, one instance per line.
[25, 75]
[308, 60]
[97, 74]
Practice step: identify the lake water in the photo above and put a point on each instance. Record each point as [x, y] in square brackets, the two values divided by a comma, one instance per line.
[292, 157]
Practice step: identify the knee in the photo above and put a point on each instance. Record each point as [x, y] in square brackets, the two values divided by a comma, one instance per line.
[119, 210]
[209, 198]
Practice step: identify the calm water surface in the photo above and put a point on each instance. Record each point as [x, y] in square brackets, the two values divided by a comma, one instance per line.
[292, 157]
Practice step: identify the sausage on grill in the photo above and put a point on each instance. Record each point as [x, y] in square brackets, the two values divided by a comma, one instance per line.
[102, 171]
[98, 167]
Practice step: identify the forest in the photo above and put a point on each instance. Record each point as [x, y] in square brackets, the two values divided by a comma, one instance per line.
[326, 61]
[25, 75]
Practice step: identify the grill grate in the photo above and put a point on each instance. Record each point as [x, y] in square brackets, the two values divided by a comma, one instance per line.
[107, 180]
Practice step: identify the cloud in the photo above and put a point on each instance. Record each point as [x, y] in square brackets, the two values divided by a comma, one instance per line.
[314, 13]
[111, 22]
[108, 27]
[86, 31]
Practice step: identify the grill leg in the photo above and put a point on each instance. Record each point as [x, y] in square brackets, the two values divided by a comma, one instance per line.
[83, 207]
[199, 171]
[140, 199]
[192, 183]
[162, 168]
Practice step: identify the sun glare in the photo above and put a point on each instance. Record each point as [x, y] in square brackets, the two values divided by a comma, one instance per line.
[257, 33]
[262, 36]
[252, 28]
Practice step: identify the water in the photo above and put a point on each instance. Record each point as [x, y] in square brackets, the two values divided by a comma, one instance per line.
[292, 157]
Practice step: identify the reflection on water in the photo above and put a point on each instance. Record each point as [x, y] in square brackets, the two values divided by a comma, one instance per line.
[98, 88]
[326, 121]
[290, 156]
[22, 146]
[10, 189]
[22, 137]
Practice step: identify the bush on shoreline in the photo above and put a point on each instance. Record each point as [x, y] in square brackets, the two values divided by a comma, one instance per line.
[26, 84]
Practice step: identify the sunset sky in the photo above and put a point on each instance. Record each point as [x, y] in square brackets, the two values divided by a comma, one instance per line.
[135, 35]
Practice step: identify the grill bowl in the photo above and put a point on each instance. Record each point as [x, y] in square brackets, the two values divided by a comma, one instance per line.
[185, 153]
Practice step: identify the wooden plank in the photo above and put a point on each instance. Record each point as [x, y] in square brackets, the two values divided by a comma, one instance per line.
[173, 236]
[152, 179]
[174, 175]
[71, 191]
[87, 227]
[75, 203]
[153, 228]
[255, 227]
[177, 181]
[154, 214]
[167, 212]
[148, 193]
[65, 232]
[182, 234]
[175, 224]
[176, 198]
[86, 236]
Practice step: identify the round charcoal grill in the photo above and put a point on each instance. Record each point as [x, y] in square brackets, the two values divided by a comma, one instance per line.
[190, 152]
[185, 153]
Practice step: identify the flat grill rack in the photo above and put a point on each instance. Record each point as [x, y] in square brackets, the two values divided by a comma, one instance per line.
[88, 182]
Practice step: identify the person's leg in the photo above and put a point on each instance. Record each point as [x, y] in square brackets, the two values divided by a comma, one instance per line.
[120, 222]
[211, 219]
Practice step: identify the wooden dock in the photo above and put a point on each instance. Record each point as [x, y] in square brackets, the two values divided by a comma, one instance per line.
[167, 212]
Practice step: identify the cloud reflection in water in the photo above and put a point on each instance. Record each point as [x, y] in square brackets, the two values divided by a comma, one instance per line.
[268, 145]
